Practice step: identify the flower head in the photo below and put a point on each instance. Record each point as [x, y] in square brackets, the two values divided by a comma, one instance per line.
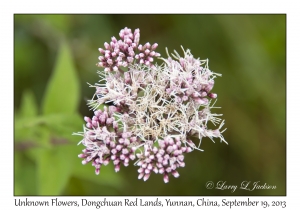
[156, 112]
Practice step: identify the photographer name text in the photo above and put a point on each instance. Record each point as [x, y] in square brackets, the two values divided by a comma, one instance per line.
[245, 185]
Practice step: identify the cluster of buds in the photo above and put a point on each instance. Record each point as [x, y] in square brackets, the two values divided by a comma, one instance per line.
[158, 112]
[123, 52]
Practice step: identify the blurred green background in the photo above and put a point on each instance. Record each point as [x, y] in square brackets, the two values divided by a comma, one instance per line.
[55, 57]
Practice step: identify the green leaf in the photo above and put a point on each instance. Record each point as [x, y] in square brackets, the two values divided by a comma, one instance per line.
[27, 113]
[62, 93]
[29, 132]
[29, 107]
[64, 125]
[52, 120]
[54, 170]
[60, 23]
[53, 151]
[24, 175]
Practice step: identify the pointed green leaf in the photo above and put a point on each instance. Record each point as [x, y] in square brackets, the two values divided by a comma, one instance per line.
[62, 92]
[24, 175]
[29, 107]
[27, 112]
[54, 170]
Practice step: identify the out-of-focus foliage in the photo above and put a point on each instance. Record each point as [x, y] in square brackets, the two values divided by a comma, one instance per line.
[55, 56]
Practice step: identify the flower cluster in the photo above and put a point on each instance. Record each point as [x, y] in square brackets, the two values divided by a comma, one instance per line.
[124, 51]
[158, 111]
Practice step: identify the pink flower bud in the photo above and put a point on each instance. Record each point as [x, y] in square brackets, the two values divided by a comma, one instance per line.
[154, 46]
[166, 178]
[140, 47]
[161, 170]
[147, 46]
[97, 171]
[175, 174]
[117, 168]
[212, 95]
[107, 46]
[140, 175]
